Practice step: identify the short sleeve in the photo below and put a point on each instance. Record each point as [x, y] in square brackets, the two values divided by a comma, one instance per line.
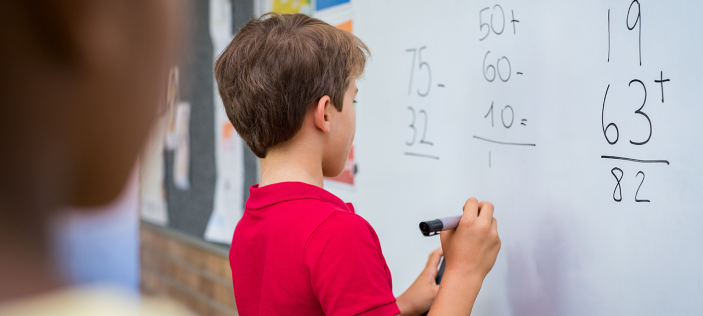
[346, 268]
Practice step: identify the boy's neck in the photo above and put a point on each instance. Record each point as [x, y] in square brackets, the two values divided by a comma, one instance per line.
[292, 161]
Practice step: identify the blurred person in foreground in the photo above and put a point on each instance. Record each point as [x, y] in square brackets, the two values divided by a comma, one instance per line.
[79, 87]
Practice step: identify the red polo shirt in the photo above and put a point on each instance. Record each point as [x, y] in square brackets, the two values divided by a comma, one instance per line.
[299, 250]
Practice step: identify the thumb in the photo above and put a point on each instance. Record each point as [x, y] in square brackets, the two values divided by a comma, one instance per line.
[433, 262]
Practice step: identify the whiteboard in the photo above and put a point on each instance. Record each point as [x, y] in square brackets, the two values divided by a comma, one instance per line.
[585, 231]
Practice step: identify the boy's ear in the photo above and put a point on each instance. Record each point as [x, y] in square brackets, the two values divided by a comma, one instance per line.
[322, 115]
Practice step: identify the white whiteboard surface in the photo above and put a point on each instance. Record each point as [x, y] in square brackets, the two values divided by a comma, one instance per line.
[568, 247]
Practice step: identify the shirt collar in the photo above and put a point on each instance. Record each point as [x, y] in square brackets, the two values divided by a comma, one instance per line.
[287, 191]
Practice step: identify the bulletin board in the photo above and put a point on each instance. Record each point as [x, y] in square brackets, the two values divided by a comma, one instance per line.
[189, 210]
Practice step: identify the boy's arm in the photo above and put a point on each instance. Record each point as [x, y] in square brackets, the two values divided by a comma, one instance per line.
[470, 251]
[456, 295]
[347, 272]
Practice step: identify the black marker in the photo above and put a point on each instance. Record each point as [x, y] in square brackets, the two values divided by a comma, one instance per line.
[431, 228]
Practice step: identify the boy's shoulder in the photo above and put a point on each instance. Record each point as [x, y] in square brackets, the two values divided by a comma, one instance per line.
[301, 205]
[291, 195]
[340, 229]
[303, 219]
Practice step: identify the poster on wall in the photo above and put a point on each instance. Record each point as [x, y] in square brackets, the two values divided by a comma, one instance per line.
[153, 207]
[325, 4]
[171, 111]
[181, 160]
[283, 6]
[229, 155]
[152, 193]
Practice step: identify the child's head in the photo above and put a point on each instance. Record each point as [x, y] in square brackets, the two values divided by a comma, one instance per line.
[81, 81]
[280, 69]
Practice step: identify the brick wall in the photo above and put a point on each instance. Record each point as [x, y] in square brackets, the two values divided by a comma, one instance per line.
[191, 272]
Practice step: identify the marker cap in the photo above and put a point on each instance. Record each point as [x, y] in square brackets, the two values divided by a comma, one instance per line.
[430, 227]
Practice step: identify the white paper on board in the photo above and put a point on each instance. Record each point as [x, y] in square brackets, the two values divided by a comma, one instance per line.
[171, 135]
[181, 164]
[153, 207]
[229, 200]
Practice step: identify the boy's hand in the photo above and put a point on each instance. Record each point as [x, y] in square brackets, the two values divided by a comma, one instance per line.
[470, 251]
[472, 248]
[418, 298]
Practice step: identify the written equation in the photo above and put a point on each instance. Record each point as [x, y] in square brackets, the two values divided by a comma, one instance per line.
[418, 143]
[611, 133]
[497, 69]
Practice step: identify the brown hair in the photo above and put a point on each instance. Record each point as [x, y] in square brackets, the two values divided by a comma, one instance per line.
[280, 65]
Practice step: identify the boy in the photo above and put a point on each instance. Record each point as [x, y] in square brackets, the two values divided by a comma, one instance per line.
[288, 85]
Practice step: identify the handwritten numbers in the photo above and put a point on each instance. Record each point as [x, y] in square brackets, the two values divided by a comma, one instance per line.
[417, 54]
[424, 133]
[637, 21]
[605, 129]
[618, 187]
[429, 72]
[498, 68]
[490, 72]
[485, 69]
[492, 27]
[617, 192]
[424, 130]
[639, 187]
[412, 69]
[612, 138]
[419, 123]
[502, 14]
[632, 20]
[512, 116]
[490, 111]
[500, 74]
[412, 126]
[504, 116]
[639, 111]
[423, 140]
[482, 24]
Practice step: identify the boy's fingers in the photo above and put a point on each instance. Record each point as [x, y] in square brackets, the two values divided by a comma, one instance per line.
[471, 208]
[485, 210]
[433, 260]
